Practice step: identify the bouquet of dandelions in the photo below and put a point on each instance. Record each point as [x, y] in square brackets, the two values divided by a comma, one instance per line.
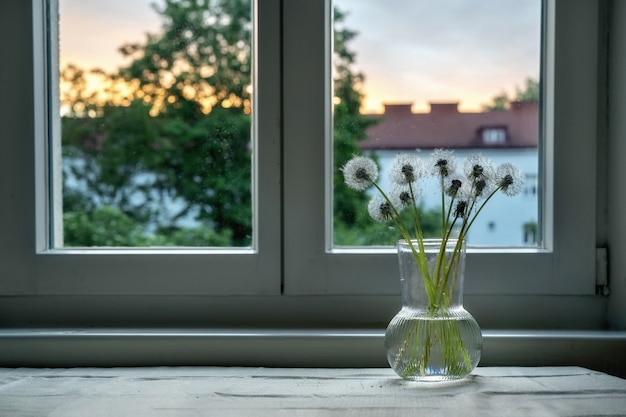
[463, 197]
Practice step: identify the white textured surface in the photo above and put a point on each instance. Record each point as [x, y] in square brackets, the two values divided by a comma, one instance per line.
[258, 392]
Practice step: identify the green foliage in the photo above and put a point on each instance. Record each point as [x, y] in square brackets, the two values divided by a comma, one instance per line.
[192, 237]
[348, 203]
[167, 140]
[141, 161]
[371, 233]
[104, 226]
[499, 102]
[347, 82]
[200, 60]
[530, 92]
[108, 226]
[183, 135]
[350, 214]
[211, 171]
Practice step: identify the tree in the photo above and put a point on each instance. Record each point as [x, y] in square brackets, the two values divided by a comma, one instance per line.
[200, 61]
[173, 126]
[352, 224]
[530, 92]
[178, 134]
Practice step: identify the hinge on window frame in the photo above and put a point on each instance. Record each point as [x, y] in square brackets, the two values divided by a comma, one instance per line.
[602, 268]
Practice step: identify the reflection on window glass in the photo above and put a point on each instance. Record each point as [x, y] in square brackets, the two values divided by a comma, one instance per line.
[155, 122]
[455, 74]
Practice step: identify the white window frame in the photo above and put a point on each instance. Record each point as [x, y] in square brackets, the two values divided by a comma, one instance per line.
[565, 265]
[141, 271]
[293, 276]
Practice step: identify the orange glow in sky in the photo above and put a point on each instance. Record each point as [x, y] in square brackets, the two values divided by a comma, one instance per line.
[417, 51]
[91, 32]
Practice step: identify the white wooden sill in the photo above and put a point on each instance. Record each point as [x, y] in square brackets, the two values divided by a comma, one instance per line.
[276, 392]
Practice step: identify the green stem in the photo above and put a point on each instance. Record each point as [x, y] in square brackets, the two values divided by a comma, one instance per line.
[443, 216]
[420, 257]
[441, 262]
[416, 217]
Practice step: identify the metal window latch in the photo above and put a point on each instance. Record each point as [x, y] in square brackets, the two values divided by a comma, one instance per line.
[602, 266]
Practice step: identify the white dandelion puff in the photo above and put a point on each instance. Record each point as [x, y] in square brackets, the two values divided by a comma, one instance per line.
[475, 190]
[400, 197]
[477, 168]
[360, 172]
[406, 168]
[510, 179]
[453, 188]
[380, 209]
[442, 163]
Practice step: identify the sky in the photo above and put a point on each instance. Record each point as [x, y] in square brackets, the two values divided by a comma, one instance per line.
[410, 51]
[91, 32]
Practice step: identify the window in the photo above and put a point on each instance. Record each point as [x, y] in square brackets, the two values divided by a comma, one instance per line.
[248, 270]
[494, 135]
[328, 270]
[460, 89]
[292, 275]
[154, 153]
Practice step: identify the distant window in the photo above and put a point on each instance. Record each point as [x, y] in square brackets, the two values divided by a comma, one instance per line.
[494, 136]
[530, 186]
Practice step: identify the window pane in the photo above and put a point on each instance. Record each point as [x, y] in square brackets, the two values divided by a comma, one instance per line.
[419, 74]
[155, 106]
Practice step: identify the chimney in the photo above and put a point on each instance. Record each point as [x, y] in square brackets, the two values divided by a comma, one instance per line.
[444, 108]
[399, 109]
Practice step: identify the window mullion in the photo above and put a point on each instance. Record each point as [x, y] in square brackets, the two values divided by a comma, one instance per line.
[306, 43]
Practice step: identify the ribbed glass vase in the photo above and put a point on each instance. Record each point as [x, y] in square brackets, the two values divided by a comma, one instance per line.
[432, 338]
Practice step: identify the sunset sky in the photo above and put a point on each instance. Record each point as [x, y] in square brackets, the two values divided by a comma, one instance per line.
[409, 50]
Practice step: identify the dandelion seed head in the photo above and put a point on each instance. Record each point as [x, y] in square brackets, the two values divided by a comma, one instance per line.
[453, 188]
[379, 209]
[406, 168]
[510, 179]
[466, 192]
[442, 163]
[400, 197]
[478, 168]
[479, 187]
[405, 197]
[360, 172]
[481, 174]
[461, 208]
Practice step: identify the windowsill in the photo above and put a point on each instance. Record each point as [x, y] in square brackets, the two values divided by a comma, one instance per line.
[599, 350]
[184, 391]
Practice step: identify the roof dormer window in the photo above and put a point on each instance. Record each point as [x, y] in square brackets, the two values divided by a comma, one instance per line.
[494, 136]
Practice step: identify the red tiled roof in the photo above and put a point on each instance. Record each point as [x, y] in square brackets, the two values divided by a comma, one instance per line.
[445, 127]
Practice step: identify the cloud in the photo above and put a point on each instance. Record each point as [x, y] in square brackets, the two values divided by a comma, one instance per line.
[409, 50]
[444, 50]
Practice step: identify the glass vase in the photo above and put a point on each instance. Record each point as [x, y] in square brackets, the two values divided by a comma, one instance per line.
[432, 338]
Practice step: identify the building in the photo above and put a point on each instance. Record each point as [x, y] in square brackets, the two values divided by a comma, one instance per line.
[502, 135]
